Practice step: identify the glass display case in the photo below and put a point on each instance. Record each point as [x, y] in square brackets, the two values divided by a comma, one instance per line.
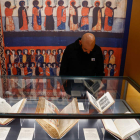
[69, 108]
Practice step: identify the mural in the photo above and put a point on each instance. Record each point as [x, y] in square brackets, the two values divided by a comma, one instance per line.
[64, 15]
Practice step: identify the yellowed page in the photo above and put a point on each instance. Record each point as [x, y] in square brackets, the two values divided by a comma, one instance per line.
[126, 127]
[50, 108]
[66, 124]
[110, 126]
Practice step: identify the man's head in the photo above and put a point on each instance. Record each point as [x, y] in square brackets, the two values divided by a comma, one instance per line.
[88, 42]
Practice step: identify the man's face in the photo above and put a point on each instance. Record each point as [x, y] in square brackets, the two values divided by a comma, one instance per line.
[110, 66]
[54, 52]
[32, 52]
[49, 65]
[26, 65]
[21, 65]
[38, 64]
[59, 51]
[48, 51]
[44, 65]
[86, 47]
[32, 65]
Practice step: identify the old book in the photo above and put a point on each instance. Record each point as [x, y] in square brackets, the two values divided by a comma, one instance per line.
[121, 128]
[6, 108]
[102, 104]
[56, 128]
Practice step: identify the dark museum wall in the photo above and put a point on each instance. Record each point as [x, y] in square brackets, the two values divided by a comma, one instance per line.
[132, 63]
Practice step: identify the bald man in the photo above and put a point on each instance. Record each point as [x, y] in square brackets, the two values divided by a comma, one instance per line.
[83, 58]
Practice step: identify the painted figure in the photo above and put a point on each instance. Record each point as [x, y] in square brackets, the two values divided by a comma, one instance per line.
[9, 23]
[111, 57]
[44, 69]
[33, 68]
[84, 23]
[116, 73]
[105, 69]
[7, 56]
[109, 14]
[59, 55]
[44, 55]
[38, 57]
[22, 16]
[61, 15]
[54, 56]
[36, 16]
[26, 57]
[73, 16]
[48, 69]
[106, 57]
[13, 57]
[14, 69]
[49, 21]
[97, 17]
[58, 69]
[19, 51]
[110, 70]
[32, 55]
[39, 70]
[27, 70]
[9, 70]
[21, 68]
[49, 56]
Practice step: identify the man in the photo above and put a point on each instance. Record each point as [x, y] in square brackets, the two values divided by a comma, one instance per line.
[83, 58]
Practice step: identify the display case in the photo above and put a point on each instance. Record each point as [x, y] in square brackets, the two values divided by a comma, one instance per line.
[69, 108]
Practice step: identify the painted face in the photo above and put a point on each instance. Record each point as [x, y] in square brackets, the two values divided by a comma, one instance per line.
[97, 4]
[26, 51]
[111, 52]
[32, 52]
[59, 51]
[38, 52]
[54, 65]
[49, 65]
[38, 64]
[110, 66]
[22, 4]
[27, 65]
[32, 64]
[105, 52]
[48, 51]
[9, 65]
[21, 65]
[13, 51]
[8, 52]
[43, 51]
[44, 65]
[54, 52]
[48, 3]
[19, 52]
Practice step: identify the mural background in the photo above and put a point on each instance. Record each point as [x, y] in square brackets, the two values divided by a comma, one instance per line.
[114, 38]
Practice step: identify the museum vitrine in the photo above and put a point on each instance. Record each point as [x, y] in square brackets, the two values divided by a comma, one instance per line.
[69, 108]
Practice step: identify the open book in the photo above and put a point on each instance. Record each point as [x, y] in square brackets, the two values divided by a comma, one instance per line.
[121, 128]
[6, 108]
[102, 104]
[56, 128]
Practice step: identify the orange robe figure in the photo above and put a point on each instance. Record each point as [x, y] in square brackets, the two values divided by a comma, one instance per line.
[106, 59]
[47, 71]
[25, 23]
[36, 22]
[14, 71]
[61, 17]
[49, 58]
[25, 71]
[84, 19]
[9, 20]
[41, 71]
[112, 59]
[108, 14]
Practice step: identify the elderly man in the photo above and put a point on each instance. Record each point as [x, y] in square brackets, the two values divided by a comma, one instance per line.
[83, 58]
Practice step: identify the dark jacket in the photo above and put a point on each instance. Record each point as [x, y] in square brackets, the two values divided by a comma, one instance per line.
[75, 62]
